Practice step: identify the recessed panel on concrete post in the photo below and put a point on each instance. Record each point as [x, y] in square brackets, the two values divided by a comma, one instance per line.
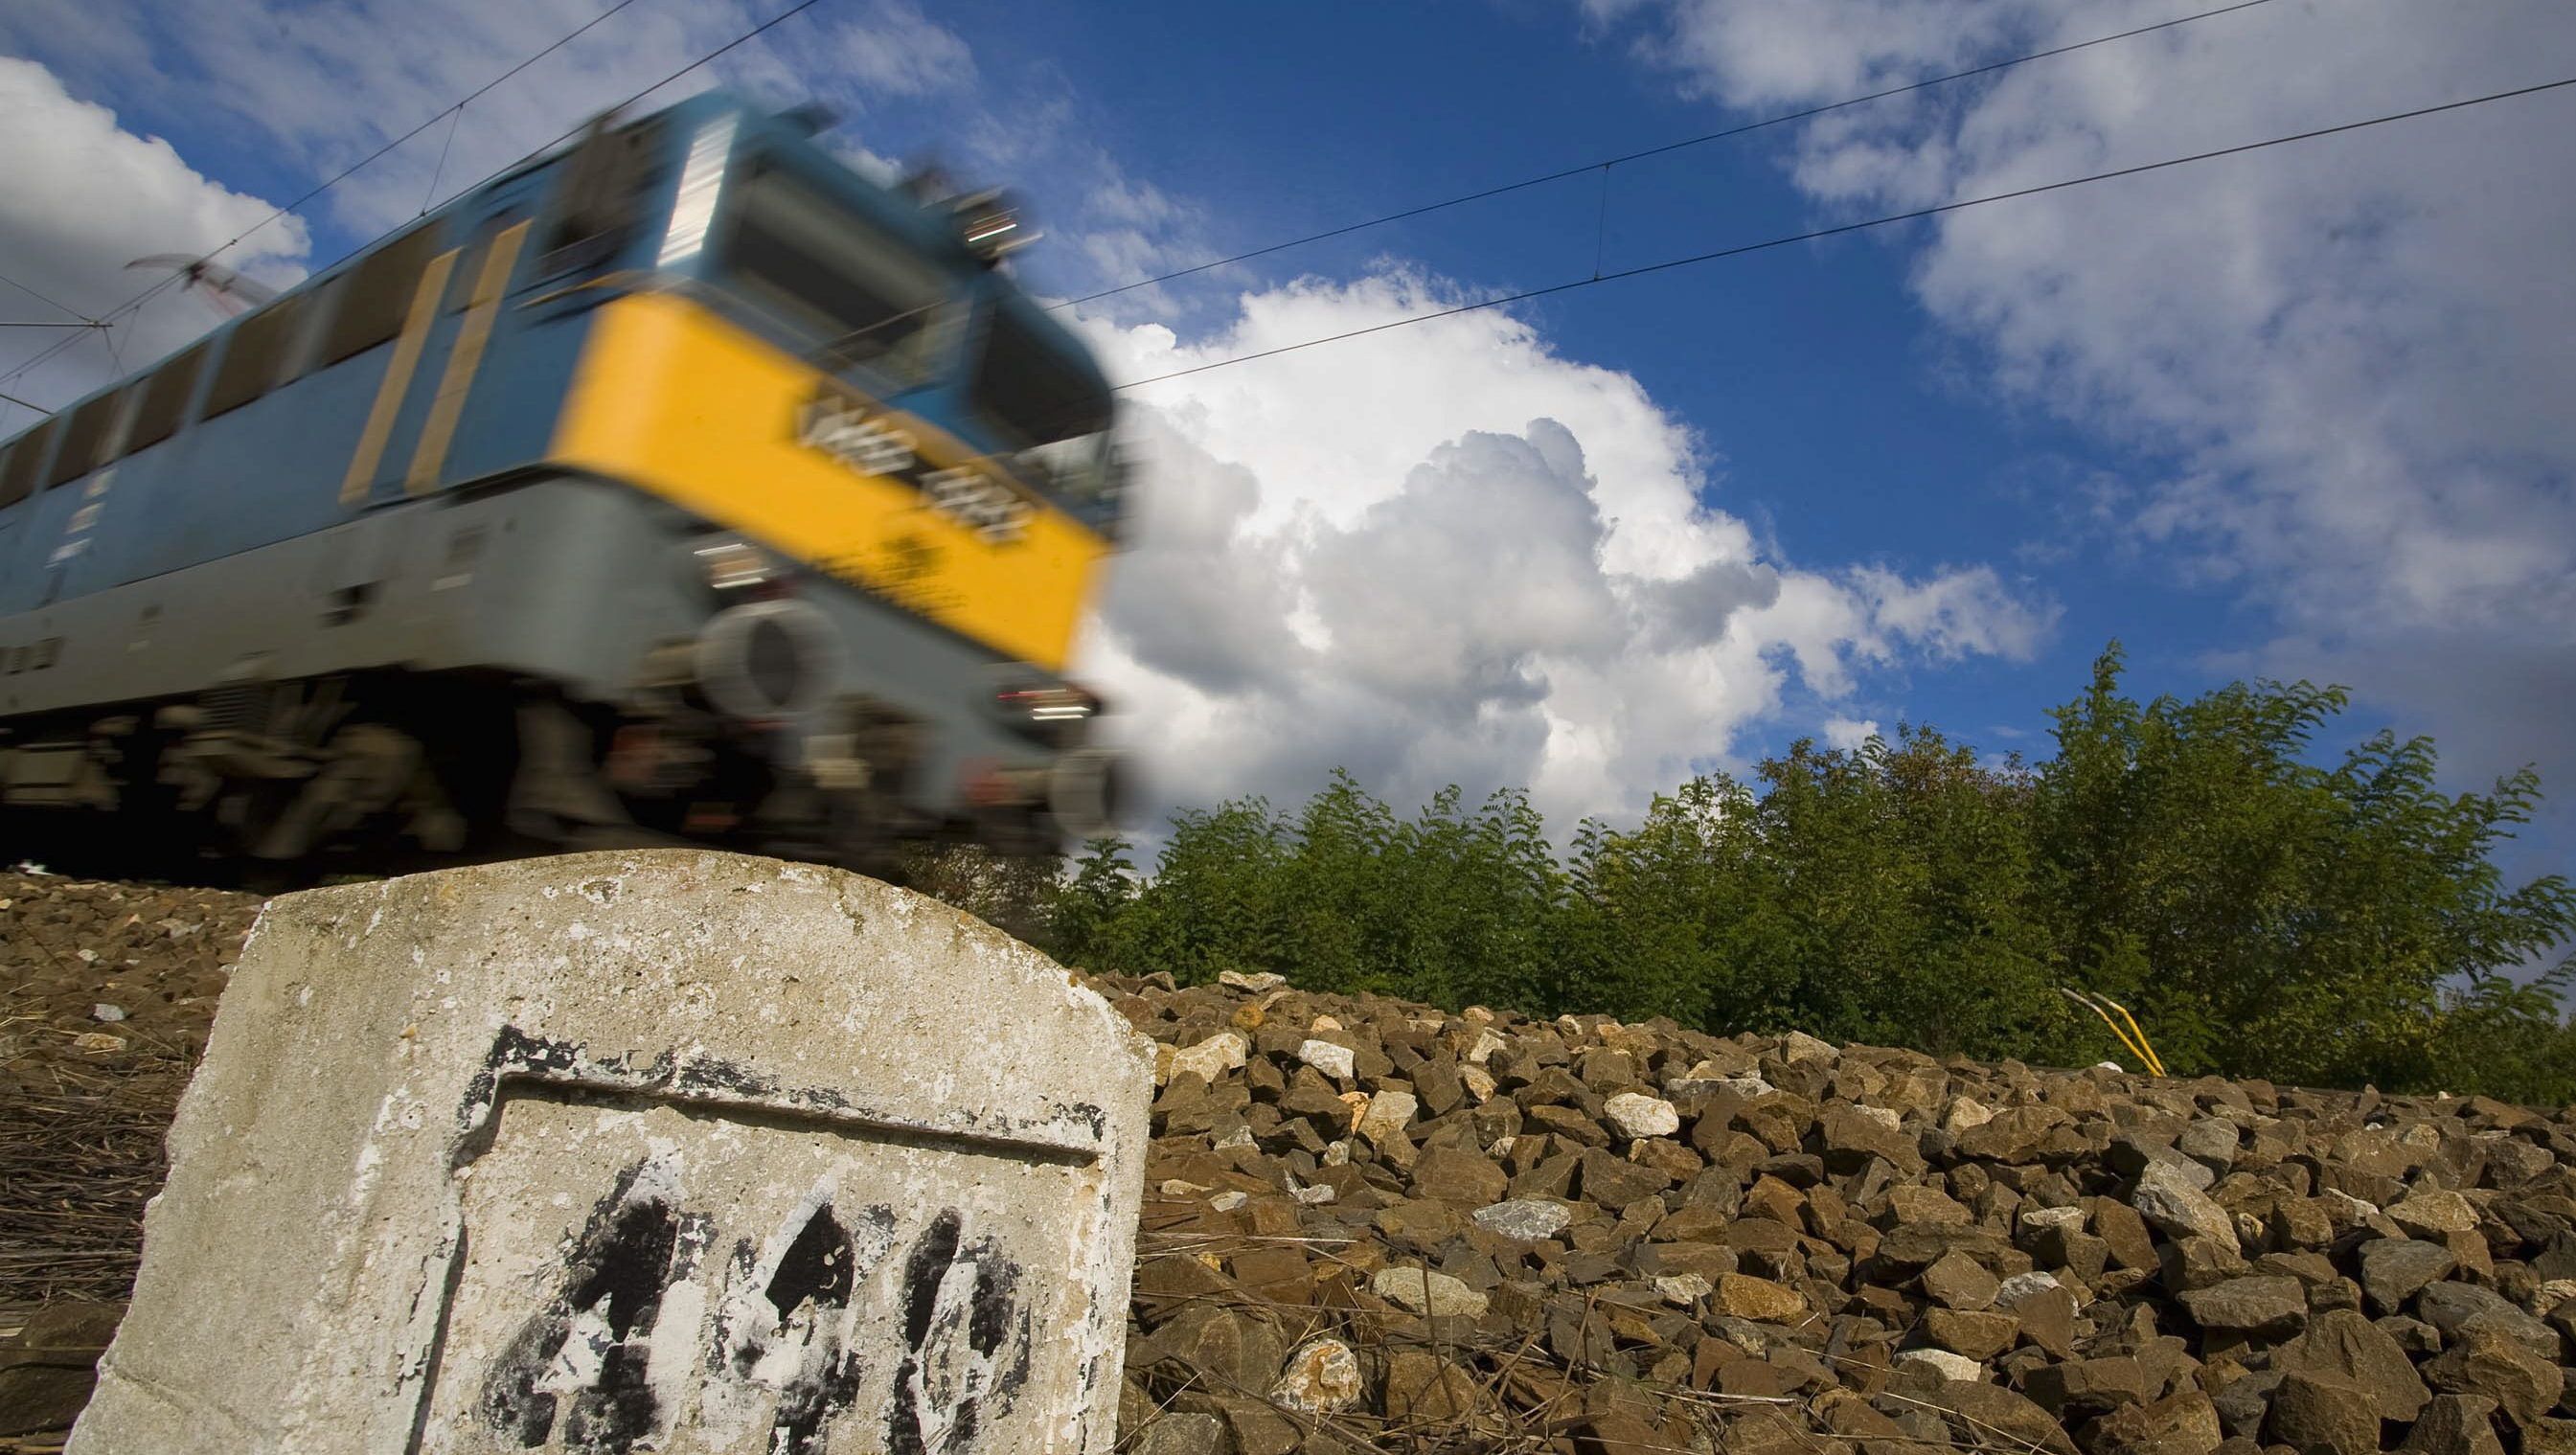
[661, 1151]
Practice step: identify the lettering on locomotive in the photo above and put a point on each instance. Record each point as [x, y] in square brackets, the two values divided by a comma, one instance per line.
[872, 442]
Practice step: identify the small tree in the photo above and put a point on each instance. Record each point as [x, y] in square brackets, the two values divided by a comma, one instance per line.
[2268, 916]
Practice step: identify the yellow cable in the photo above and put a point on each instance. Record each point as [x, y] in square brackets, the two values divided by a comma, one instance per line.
[2155, 1062]
[2086, 1001]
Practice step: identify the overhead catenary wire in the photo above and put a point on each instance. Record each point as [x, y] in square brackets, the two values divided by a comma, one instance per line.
[1838, 230]
[54, 303]
[1605, 163]
[748, 36]
[139, 299]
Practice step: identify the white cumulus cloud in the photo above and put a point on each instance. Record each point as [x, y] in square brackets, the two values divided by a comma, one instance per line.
[86, 196]
[325, 87]
[1450, 554]
[2345, 362]
[1849, 733]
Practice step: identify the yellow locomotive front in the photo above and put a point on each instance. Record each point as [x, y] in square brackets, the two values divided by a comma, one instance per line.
[870, 417]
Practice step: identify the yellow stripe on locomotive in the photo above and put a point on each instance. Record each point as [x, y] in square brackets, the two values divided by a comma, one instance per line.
[675, 399]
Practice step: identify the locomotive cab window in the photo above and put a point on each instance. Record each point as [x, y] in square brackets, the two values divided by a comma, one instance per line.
[862, 296]
[1052, 413]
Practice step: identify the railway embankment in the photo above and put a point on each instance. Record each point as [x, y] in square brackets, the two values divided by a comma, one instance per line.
[1371, 1224]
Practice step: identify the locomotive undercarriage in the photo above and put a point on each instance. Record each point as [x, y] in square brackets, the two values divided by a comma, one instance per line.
[291, 782]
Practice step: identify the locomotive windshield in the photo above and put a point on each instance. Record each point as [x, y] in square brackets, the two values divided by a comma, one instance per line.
[860, 294]
[1053, 413]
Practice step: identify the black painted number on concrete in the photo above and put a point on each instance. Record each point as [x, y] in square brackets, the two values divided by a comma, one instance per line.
[787, 1331]
[965, 1341]
[578, 1366]
[789, 1347]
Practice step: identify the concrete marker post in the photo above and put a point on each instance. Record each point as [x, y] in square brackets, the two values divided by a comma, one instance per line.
[666, 1150]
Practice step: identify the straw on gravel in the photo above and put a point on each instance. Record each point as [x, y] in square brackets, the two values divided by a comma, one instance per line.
[77, 1165]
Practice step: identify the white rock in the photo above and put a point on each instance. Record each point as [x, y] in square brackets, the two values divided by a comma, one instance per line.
[1239, 1137]
[1213, 1057]
[2183, 1168]
[1334, 1061]
[1479, 1082]
[1638, 1115]
[1966, 1112]
[1502, 1147]
[1744, 1088]
[2432, 1213]
[1388, 1114]
[106, 1012]
[1325, 1023]
[2166, 1198]
[1526, 1218]
[1883, 1116]
[2022, 1285]
[2550, 1295]
[1487, 1043]
[1946, 1364]
[1315, 1196]
[2052, 1217]
[1265, 980]
[2110, 1066]
[1682, 1288]
[1322, 1378]
[1228, 1201]
[1338, 1154]
[1798, 1046]
[1421, 1291]
[1175, 1187]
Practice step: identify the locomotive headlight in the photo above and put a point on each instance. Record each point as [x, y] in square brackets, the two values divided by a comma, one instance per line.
[1054, 713]
[733, 565]
[1048, 705]
[990, 225]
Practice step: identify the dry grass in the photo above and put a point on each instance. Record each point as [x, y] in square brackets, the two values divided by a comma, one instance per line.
[80, 1155]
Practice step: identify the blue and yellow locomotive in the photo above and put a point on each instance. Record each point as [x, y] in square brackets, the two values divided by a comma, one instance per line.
[681, 484]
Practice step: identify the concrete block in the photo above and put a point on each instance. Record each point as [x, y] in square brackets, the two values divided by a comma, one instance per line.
[660, 1151]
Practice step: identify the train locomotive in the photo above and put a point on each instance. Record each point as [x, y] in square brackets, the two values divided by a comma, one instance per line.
[681, 485]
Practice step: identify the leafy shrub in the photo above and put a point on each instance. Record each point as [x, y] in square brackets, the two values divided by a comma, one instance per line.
[2262, 915]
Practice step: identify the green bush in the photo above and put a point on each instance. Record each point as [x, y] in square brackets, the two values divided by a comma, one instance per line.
[2263, 916]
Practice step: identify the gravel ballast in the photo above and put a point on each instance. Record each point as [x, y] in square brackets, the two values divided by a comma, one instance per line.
[1371, 1224]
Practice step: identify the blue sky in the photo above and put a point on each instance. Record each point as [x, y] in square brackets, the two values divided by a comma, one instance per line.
[2295, 414]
